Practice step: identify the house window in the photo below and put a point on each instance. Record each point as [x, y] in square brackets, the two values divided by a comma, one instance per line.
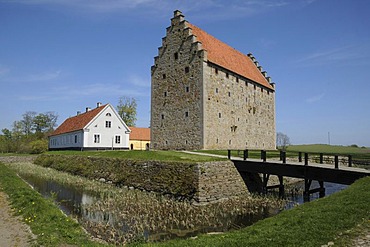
[75, 138]
[118, 139]
[187, 69]
[176, 55]
[108, 124]
[96, 138]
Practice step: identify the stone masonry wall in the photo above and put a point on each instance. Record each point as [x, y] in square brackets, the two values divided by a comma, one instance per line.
[176, 105]
[197, 182]
[239, 113]
[198, 105]
[218, 180]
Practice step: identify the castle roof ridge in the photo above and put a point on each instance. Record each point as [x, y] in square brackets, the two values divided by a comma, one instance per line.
[228, 57]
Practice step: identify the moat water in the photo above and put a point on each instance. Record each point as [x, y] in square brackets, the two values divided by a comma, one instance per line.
[75, 202]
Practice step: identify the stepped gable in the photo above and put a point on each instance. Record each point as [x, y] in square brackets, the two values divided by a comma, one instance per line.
[227, 57]
[78, 122]
[140, 134]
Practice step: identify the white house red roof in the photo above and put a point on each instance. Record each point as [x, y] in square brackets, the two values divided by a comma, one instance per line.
[78, 122]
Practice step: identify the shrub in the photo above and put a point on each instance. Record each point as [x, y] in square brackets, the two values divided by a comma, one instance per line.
[38, 146]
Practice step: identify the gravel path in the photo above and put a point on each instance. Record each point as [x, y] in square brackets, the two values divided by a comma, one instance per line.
[12, 231]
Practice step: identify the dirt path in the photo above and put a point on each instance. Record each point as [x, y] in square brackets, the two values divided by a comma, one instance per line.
[12, 231]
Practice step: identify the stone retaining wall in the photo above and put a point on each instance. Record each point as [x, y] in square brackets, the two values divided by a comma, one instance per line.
[196, 182]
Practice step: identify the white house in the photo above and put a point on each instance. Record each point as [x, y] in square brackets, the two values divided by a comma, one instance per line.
[99, 128]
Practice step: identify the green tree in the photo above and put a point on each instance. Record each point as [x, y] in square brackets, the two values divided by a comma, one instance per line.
[127, 110]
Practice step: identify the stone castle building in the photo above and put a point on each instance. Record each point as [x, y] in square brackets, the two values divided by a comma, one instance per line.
[207, 95]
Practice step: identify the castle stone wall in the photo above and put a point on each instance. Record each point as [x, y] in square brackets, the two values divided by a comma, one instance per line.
[198, 105]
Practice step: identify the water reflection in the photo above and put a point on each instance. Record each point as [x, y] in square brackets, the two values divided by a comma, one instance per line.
[112, 220]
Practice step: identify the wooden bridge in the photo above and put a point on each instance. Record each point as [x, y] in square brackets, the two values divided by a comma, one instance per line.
[341, 174]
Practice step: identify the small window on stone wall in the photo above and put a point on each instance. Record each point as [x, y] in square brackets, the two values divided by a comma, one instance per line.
[219, 115]
[216, 71]
[187, 69]
[186, 114]
[237, 79]
[229, 142]
[164, 76]
[176, 55]
[229, 94]
[165, 94]
[255, 87]
[162, 116]
[262, 90]
[216, 90]
[187, 89]
[227, 75]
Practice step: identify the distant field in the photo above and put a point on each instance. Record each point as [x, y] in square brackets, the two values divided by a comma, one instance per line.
[356, 152]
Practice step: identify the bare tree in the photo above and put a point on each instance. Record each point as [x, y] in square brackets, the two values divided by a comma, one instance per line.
[282, 140]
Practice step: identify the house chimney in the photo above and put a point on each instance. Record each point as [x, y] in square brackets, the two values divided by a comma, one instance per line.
[88, 109]
[98, 104]
[78, 113]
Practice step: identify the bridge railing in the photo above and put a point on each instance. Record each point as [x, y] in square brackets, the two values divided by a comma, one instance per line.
[305, 157]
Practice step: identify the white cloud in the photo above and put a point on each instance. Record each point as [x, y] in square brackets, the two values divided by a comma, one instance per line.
[138, 81]
[336, 55]
[87, 90]
[215, 9]
[315, 98]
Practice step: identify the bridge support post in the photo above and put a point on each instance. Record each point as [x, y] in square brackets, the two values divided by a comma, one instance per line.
[308, 191]
[281, 187]
[321, 158]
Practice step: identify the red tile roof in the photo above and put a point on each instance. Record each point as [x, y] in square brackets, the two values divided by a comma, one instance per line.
[77, 122]
[140, 134]
[227, 57]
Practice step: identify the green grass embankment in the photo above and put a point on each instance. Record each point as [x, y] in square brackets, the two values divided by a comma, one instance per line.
[46, 221]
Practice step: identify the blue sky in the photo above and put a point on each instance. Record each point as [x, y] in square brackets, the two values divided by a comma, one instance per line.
[65, 55]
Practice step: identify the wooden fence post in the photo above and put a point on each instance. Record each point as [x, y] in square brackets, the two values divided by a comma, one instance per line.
[300, 156]
[321, 158]
[245, 155]
[350, 160]
[263, 155]
[284, 157]
[306, 159]
[336, 162]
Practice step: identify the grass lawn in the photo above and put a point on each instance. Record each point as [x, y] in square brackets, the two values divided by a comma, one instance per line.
[143, 155]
